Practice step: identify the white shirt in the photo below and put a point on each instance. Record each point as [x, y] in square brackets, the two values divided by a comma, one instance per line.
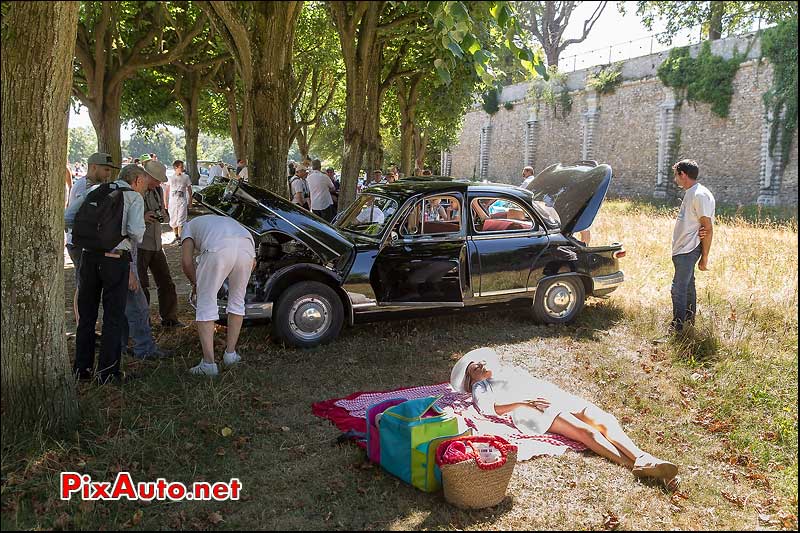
[697, 202]
[527, 182]
[214, 172]
[78, 189]
[209, 233]
[299, 185]
[243, 174]
[319, 187]
[370, 214]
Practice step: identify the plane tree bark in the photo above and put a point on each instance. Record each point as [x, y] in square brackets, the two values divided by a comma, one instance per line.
[260, 36]
[38, 391]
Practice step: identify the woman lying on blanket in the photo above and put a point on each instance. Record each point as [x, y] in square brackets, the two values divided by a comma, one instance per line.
[537, 406]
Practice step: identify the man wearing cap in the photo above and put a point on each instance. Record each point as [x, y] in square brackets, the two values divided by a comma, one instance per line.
[151, 253]
[107, 276]
[299, 187]
[101, 165]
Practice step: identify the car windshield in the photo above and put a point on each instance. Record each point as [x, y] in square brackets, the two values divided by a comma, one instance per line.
[369, 215]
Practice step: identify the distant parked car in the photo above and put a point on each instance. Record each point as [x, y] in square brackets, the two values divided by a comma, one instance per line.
[423, 246]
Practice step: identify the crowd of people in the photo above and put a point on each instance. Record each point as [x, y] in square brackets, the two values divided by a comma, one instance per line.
[114, 240]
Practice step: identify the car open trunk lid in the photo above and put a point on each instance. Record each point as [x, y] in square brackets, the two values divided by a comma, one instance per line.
[262, 212]
[575, 192]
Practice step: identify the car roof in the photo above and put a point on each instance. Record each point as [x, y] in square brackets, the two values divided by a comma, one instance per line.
[403, 189]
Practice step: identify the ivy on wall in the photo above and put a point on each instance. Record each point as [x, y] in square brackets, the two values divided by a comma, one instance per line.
[779, 45]
[606, 79]
[553, 92]
[705, 78]
[491, 101]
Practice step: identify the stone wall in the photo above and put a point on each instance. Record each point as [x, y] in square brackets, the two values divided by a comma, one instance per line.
[640, 130]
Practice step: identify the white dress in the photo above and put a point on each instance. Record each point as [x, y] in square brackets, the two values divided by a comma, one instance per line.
[180, 190]
[511, 384]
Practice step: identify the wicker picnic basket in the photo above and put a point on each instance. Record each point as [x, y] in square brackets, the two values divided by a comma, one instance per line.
[473, 484]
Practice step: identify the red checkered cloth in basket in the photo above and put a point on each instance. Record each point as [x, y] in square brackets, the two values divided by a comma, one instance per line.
[349, 414]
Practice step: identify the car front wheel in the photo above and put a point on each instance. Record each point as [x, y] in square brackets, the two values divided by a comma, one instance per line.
[307, 314]
[559, 300]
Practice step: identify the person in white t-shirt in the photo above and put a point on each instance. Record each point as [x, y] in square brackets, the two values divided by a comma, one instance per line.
[299, 187]
[691, 241]
[320, 188]
[227, 251]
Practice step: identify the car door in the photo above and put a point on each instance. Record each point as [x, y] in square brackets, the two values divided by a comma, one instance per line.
[505, 242]
[423, 263]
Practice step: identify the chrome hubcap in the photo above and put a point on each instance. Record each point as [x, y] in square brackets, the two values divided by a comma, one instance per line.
[310, 317]
[559, 301]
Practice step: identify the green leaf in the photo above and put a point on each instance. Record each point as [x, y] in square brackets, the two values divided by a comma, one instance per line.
[470, 44]
[505, 16]
[456, 50]
[541, 70]
[459, 11]
[434, 7]
[442, 71]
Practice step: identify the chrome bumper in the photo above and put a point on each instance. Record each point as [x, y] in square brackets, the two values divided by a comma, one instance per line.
[608, 283]
[252, 310]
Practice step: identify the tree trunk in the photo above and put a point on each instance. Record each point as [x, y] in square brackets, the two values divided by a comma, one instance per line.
[408, 96]
[38, 45]
[270, 95]
[420, 147]
[302, 142]
[105, 118]
[191, 122]
[552, 53]
[715, 21]
[360, 50]
[237, 131]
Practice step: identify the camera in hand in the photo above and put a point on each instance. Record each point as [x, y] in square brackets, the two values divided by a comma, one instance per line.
[159, 214]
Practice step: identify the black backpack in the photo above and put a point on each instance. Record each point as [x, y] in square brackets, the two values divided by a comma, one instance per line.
[98, 223]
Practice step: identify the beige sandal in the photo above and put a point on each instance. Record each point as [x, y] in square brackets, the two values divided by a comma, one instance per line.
[647, 465]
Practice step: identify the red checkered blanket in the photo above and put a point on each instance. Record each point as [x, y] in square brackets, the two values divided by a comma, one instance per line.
[348, 414]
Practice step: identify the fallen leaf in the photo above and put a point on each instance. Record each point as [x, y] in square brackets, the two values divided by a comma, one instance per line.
[226, 432]
[137, 517]
[215, 518]
[284, 428]
[736, 500]
[610, 521]
[220, 451]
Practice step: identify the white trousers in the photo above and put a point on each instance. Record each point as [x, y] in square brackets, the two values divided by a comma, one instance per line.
[233, 262]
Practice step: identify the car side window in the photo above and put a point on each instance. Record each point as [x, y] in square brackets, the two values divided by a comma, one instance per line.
[493, 215]
[434, 215]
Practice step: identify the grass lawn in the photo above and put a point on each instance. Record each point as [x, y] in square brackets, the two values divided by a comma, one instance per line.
[722, 403]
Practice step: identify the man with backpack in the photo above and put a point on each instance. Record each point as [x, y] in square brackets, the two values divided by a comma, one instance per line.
[107, 222]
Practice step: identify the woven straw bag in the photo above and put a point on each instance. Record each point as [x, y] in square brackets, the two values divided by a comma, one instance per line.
[468, 486]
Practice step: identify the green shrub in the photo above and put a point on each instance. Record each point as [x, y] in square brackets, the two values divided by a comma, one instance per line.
[705, 78]
[779, 45]
[606, 80]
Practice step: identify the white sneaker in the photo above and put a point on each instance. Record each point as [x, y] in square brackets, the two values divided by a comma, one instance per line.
[231, 358]
[207, 369]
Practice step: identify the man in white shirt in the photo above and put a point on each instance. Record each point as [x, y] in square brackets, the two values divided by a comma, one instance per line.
[527, 177]
[226, 251]
[320, 188]
[691, 241]
[216, 170]
[299, 187]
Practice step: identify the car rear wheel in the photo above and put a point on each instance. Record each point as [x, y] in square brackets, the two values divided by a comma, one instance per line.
[559, 300]
[307, 314]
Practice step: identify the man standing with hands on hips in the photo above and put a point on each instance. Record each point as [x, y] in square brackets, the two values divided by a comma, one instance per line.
[691, 241]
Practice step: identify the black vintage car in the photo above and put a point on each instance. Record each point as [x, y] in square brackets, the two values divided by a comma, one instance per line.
[423, 246]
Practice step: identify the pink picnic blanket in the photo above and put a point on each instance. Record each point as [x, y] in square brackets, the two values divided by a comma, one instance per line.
[349, 413]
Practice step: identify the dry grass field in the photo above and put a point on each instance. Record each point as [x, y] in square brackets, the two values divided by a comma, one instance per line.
[721, 402]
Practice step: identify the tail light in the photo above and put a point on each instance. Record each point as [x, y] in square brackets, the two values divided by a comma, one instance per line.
[618, 254]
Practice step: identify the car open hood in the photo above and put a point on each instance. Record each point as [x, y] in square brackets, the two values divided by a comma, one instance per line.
[262, 212]
[575, 192]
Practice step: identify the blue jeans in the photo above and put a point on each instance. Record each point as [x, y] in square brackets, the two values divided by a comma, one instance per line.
[137, 324]
[684, 296]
